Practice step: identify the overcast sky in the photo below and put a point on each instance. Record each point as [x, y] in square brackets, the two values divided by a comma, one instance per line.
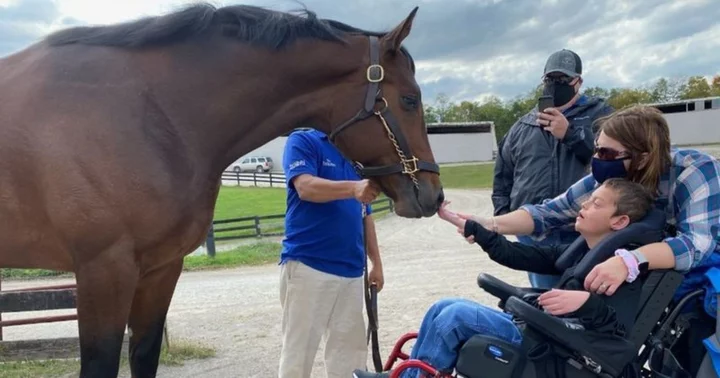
[467, 49]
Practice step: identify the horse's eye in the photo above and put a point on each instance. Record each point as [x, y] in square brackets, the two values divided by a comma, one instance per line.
[410, 102]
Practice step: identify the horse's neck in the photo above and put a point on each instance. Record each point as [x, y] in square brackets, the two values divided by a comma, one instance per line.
[225, 106]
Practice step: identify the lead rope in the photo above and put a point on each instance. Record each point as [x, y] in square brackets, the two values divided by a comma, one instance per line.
[371, 307]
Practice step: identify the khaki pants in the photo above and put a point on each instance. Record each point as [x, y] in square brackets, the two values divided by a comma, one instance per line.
[319, 305]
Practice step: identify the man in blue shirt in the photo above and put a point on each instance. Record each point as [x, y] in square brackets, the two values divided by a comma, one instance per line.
[544, 153]
[323, 258]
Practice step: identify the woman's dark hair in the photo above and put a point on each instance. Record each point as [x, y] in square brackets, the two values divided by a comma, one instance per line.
[644, 132]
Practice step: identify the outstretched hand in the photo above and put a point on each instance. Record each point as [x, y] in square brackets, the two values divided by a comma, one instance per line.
[456, 219]
[450, 216]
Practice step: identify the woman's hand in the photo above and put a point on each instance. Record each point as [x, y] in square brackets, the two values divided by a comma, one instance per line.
[606, 277]
[561, 302]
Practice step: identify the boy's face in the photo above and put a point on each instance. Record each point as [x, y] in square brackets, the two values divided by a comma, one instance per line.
[596, 215]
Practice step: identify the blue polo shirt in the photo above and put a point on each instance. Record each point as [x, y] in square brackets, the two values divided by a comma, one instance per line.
[324, 236]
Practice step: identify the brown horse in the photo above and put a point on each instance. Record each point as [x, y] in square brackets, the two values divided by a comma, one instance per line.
[113, 140]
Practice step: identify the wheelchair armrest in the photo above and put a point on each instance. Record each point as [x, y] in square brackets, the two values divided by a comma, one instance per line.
[504, 290]
[564, 332]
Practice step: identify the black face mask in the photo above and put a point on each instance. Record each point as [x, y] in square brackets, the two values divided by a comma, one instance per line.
[607, 169]
[562, 93]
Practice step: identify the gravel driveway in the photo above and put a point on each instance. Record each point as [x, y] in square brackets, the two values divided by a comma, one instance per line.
[238, 311]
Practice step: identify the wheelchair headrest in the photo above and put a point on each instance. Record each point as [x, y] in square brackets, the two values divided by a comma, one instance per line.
[649, 229]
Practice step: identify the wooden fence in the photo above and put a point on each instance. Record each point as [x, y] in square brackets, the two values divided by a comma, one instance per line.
[264, 225]
[269, 179]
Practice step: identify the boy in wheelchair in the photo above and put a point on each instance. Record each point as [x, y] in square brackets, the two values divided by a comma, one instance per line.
[450, 323]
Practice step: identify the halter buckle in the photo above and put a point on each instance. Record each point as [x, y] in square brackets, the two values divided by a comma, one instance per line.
[410, 163]
[375, 73]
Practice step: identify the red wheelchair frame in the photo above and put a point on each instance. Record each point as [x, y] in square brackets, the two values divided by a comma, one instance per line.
[398, 354]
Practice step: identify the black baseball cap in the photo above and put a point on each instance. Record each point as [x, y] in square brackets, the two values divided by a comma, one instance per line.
[564, 61]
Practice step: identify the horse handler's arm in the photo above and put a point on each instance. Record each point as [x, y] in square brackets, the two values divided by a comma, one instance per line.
[375, 275]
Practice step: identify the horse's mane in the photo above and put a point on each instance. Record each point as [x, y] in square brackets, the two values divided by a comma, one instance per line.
[247, 23]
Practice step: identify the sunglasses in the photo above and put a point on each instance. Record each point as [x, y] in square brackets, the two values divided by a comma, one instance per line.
[607, 153]
[559, 79]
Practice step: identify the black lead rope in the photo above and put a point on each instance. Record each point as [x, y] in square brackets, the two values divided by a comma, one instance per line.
[372, 331]
[371, 307]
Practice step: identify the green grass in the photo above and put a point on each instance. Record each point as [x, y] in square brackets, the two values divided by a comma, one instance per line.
[179, 352]
[240, 202]
[254, 254]
[476, 176]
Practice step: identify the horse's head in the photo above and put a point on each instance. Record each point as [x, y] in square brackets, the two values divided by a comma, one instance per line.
[377, 121]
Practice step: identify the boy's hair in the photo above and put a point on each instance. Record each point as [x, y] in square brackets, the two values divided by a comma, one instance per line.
[633, 198]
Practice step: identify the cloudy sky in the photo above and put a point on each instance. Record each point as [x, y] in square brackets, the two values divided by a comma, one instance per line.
[467, 49]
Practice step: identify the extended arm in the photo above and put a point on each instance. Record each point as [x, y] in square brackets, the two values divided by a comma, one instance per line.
[514, 255]
[542, 218]
[316, 189]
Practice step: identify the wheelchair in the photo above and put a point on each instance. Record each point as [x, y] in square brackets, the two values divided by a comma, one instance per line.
[558, 347]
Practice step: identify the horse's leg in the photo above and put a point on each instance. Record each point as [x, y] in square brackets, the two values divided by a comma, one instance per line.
[105, 286]
[147, 317]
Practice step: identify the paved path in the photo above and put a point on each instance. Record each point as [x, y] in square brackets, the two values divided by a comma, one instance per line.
[238, 312]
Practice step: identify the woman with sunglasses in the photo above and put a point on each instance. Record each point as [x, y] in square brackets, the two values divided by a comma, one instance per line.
[635, 143]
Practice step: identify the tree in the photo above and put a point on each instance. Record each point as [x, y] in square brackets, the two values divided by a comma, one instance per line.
[715, 87]
[596, 92]
[430, 114]
[622, 98]
[443, 107]
[697, 87]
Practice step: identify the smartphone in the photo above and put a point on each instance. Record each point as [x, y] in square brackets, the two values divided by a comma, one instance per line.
[545, 102]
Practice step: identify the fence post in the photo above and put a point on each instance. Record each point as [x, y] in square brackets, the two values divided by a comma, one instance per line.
[210, 241]
[271, 179]
[258, 232]
[237, 176]
[255, 178]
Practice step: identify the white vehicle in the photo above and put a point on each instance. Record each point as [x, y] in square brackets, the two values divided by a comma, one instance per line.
[257, 164]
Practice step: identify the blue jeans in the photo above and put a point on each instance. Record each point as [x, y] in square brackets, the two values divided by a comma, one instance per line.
[451, 322]
[543, 281]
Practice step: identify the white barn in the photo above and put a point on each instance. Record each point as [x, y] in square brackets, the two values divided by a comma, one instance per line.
[693, 122]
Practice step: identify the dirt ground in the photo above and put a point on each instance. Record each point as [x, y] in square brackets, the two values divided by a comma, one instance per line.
[237, 311]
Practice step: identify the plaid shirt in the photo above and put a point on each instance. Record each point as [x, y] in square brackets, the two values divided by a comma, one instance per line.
[693, 208]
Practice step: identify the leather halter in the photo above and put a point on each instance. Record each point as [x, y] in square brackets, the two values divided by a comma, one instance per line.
[408, 164]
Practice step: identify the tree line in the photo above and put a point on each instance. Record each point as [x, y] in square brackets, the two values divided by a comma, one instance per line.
[505, 113]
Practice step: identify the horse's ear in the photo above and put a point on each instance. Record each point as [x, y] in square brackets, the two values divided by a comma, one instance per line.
[393, 40]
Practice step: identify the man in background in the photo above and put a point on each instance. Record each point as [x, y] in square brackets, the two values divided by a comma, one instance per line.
[327, 224]
[544, 153]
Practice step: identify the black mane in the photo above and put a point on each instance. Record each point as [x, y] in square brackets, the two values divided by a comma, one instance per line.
[247, 23]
